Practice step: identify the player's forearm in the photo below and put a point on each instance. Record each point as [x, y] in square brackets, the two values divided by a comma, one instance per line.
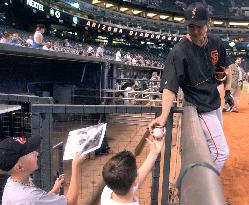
[146, 167]
[227, 84]
[73, 190]
[167, 100]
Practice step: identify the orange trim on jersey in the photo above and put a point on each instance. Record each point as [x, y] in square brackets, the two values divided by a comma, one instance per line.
[216, 147]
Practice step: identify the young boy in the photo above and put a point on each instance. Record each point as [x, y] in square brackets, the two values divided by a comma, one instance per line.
[122, 177]
[19, 156]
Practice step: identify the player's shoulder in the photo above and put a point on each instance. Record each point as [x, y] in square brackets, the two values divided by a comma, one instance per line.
[182, 43]
[213, 38]
[179, 47]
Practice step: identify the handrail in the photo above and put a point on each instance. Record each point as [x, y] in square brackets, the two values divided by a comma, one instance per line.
[199, 181]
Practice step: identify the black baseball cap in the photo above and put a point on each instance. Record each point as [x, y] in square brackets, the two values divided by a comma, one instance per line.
[12, 148]
[196, 14]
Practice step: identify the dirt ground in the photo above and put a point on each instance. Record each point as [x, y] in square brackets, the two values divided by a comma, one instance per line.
[235, 174]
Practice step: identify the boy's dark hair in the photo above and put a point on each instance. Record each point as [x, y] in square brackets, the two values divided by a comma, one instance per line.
[120, 172]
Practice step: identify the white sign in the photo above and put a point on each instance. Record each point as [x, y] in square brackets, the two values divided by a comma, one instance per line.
[57, 14]
[35, 5]
[52, 12]
[84, 140]
[75, 20]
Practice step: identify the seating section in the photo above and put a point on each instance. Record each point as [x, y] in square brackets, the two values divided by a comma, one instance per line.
[156, 57]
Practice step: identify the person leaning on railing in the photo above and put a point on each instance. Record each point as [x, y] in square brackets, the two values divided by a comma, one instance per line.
[19, 156]
[38, 36]
[192, 65]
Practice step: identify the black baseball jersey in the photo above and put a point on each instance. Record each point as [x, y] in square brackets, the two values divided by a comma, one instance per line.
[192, 68]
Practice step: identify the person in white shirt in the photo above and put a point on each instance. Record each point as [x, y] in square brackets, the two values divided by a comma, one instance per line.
[6, 38]
[29, 41]
[90, 51]
[19, 157]
[130, 87]
[127, 58]
[38, 36]
[122, 177]
[47, 46]
[66, 43]
[100, 51]
[118, 55]
[134, 61]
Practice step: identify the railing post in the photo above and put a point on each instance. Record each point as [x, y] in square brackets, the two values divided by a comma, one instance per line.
[155, 179]
[167, 156]
[60, 164]
[45, 151]
[35, 132]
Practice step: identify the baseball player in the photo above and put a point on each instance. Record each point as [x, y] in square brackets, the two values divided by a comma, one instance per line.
[191, 65]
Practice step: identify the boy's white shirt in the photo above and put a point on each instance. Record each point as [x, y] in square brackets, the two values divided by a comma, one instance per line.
[106, 198]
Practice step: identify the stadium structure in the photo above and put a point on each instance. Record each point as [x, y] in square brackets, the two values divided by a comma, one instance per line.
[54, 90]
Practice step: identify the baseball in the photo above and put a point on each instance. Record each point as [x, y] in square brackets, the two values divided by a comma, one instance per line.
[158, 132]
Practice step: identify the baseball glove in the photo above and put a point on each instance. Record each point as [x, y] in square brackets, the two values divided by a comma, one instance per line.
[229, 98]
[220, 75]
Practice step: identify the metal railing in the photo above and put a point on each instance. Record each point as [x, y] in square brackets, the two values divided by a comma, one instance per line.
[42, 125]
[199, 181]
[58, 153]
[17, 123]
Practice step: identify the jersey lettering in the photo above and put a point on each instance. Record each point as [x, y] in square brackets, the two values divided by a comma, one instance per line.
[214, 57]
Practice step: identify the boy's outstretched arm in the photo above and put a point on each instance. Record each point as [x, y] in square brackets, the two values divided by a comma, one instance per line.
[155, 149]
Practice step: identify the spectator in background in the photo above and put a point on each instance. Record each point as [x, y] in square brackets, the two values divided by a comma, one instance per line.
[15, 40]
[18, 156]
[237, 82]
[127, 58]
[29, 41]
[122, 177]
[66, 43]
[100, 51]
[6, 38]
[118, 55]
[47, 46]
[90, 51]
[38, 36]
[155, 81]
[130, 87]
[56, 45]
[134, 61]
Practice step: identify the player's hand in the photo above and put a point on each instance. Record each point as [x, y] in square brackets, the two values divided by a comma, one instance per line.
[155, 145]
[58, 183]
[159, 121]
[78, 159]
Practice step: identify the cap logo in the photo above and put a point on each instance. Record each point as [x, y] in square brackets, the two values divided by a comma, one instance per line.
[193, 13]
[21, 140]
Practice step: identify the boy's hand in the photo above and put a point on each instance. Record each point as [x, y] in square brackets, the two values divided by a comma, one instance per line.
[78, 159]
[57, 185]
[155, 145]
